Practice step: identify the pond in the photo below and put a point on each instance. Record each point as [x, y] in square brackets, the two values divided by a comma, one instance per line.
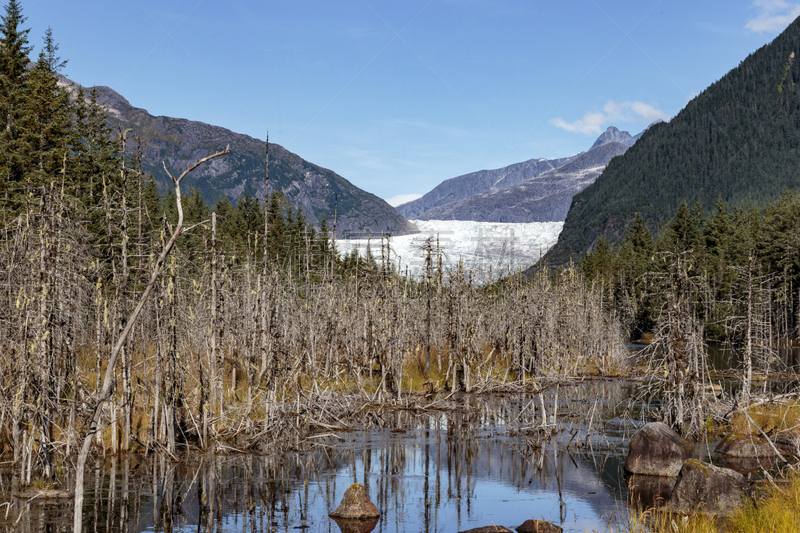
[489, 462]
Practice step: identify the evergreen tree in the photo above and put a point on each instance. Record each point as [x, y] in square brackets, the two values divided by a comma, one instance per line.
[598, 264]
[685, 229]
[277, 239]
[14, 50]
[46, 127]
[97, 158]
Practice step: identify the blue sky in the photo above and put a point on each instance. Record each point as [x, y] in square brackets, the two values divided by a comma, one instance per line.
[398, 96]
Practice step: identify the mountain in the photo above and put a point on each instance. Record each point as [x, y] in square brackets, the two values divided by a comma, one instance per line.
[612, 134]
[320, 192]
[545, 198]
[462, 187]
[539, 190]
[738, 140]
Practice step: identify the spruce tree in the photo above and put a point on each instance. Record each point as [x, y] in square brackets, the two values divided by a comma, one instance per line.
[14, 50]
[45, 127]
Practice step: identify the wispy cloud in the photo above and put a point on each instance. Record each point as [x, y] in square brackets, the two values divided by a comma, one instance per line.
[401, 199]
[593, 122]
[773, 15]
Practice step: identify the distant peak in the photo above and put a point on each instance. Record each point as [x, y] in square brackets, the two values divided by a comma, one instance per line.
[612, 134]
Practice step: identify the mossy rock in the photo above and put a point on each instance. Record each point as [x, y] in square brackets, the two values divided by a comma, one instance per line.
[735, 445]
[356, 504]
[707, 489]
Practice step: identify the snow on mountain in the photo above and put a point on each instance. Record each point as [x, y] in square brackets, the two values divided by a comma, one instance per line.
[488, 249]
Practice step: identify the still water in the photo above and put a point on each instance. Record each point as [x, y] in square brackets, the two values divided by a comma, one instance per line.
[440, 471]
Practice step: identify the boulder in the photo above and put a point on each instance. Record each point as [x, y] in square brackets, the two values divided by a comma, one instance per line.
[656, 450]
[646, 492]
[538, 526]
[788, 444]
[734, 445]
[708, 489]
[488, 529]
[356, 504]
[355, 525]
[746, 465]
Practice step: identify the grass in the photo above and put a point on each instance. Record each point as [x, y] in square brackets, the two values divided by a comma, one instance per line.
[776, 511]
[770, 418]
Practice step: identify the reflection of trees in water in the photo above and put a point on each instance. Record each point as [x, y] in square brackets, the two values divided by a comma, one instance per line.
[423, 471]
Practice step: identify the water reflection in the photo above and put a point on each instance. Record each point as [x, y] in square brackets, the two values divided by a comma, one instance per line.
[436, 472]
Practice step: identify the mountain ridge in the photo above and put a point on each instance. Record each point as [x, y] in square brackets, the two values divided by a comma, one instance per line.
[319, 192]
[544, 198]
[537, 190]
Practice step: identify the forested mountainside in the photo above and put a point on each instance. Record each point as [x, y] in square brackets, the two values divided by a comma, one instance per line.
[321, 193]
[739, 140]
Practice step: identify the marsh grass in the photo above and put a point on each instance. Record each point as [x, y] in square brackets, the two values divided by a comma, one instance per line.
[770, 418]
[777, 510]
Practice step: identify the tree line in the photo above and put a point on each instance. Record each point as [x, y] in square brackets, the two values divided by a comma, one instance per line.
[722, 250]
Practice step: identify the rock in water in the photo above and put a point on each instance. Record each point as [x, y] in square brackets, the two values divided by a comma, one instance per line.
[708, 489]
[734, 445]
[356, 504]
[538, 526]
[656, 450]
[646, 492]
[355, 525]
[488, 529]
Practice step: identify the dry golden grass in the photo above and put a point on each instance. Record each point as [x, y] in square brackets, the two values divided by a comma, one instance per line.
[780, 417]
[777, 511]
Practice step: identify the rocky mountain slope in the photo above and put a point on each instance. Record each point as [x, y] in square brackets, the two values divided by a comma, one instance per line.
[738, 140]
[545, 198]
[539, 190]
[179, 142]
[461, 187]
[613, 135]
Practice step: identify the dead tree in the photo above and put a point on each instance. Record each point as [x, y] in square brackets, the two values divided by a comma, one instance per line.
[108, 380]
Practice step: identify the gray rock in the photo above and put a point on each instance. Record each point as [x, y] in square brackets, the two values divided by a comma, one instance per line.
[746, 465]
[538, 526]
[488, 529]
[788, 444]
[537, 190]
[645, 492]
[656, 450]
[355, 525]
[356, 504]
[707, 489]
[734, 445]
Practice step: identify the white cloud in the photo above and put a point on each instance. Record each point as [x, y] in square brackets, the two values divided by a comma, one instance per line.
[590, 123]
[773, 16]
[593, 122]
[401, 199]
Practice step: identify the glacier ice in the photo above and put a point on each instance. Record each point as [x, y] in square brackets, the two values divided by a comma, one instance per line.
[487, 249]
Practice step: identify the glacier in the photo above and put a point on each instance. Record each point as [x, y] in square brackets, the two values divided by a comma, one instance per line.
[488, 250]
